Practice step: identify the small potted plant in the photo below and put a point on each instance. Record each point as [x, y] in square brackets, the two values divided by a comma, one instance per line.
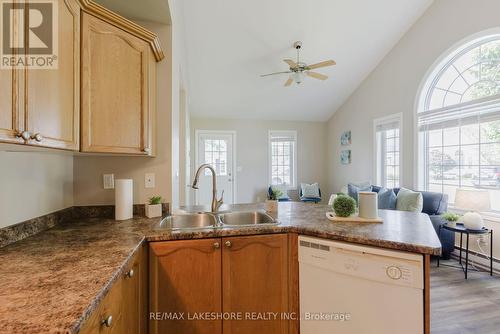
[451, 218]
[272, 201]
[153, 208]
[344, 206]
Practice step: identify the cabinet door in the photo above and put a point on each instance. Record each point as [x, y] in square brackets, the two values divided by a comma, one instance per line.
[53, 96]
[255, 280]
[135, 292]
[11, 122]
[115, 90]
[185, 277]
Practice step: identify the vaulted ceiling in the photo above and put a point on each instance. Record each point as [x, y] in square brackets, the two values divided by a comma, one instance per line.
[229, 43]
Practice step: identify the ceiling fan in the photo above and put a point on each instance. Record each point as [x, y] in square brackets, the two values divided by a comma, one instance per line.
[298, 69]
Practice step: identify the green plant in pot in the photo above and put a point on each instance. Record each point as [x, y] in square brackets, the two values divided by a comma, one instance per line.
[154, 207]
[451, 218]
[344, 206]
[272, 200]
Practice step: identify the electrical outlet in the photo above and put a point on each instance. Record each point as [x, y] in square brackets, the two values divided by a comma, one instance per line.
[108, 181]
[149, 180]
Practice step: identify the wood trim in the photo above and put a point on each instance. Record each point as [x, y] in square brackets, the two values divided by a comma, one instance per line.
[107, 15]
[293, 281]
[427, 294]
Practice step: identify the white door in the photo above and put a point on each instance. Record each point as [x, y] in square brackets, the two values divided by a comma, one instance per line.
[216, 149]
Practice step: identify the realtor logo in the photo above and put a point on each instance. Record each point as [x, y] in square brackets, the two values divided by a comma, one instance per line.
[28, 35]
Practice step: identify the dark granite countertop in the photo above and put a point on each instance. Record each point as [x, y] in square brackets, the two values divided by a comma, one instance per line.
[51, 282]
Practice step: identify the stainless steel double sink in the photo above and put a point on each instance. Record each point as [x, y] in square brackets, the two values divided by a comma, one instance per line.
[205, 220]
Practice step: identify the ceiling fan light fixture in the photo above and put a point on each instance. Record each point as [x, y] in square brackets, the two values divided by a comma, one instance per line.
[298, 77]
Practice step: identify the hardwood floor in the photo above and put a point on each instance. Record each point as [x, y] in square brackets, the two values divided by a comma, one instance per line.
[460, 306]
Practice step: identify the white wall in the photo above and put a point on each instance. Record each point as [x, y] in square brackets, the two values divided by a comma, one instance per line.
[33, 184]
[252, 153]
[392, 87]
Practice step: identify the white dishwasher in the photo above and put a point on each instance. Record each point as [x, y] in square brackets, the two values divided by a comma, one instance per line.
[352, 289]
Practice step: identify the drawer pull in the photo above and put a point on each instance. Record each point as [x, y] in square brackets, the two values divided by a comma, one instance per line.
[25, 135]
[38, 137]
[228, 244]
[108, 322]
[216, 245]
[130, 273]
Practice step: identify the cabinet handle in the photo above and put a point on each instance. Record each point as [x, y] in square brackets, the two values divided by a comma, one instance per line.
[216, 245]
[108, 322]
[130, 273]
[228, 244]
[38, 137]
[25, 135]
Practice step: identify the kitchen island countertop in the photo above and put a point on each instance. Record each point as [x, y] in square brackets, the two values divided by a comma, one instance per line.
[52, 281]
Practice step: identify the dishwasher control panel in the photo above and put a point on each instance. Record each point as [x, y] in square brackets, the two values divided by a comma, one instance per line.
[377, 264]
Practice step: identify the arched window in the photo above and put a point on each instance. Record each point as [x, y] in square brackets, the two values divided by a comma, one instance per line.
[458, 121]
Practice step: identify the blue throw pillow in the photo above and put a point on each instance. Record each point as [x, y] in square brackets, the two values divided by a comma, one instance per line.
[353, 190]
[386, 199]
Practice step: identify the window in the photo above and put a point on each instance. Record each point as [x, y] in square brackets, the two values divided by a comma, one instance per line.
[283, 158]
[459, 122]
[388, 143]
[216, 155]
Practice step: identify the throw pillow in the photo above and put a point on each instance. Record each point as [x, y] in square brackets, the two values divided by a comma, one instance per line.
[353, 190]
[409, 200]
[310, 190]
[284, 192]
[386, 199]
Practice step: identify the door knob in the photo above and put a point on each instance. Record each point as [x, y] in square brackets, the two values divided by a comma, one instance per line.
[228, 244]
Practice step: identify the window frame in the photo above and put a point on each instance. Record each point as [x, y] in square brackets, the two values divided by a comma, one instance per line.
[398, 117]
[293, 177]
[422, 104]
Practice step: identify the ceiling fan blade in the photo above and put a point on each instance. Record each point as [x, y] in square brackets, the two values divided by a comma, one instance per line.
[316, 75]
[265, 75]
[291, 63]
[321, 64]
[288, 82]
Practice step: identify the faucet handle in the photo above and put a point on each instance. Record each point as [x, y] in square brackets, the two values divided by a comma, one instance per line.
[220, 201]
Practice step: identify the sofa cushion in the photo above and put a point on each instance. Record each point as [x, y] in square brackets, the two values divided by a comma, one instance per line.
[386, 199]
[434, 203]
[409, 200]
[353, 190]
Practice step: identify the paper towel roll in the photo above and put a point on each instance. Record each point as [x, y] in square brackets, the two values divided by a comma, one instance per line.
[368, 204]
[124, 199]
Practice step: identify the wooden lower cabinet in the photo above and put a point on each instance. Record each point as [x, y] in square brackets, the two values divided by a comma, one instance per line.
[247, 277]
[126, 301]
[185, 277]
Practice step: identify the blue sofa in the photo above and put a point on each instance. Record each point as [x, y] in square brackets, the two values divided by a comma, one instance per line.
[435, 204]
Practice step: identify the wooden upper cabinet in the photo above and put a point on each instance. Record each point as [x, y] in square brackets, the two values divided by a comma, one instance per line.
[118, 86]
[10, 124]
[185, 276]
[53, 96]
[255, 279]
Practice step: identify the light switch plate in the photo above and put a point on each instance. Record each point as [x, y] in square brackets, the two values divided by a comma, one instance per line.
[149, 180]
[108, 181]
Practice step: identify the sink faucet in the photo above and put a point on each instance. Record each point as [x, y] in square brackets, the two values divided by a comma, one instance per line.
[215, 202]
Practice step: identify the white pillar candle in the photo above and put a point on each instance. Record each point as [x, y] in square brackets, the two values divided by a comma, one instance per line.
[124, 199]
[368, 204]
